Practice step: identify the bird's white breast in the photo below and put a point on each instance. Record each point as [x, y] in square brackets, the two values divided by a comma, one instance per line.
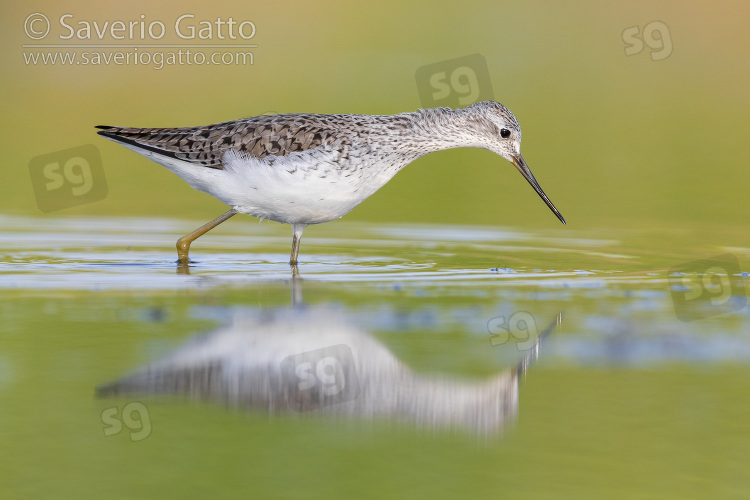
[310, 187]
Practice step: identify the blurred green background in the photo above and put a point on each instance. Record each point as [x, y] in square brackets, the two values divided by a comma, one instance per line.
[615, 140]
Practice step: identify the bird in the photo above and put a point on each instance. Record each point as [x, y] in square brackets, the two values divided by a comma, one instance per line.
[303, 169]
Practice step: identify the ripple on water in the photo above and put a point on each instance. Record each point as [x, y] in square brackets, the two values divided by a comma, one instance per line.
[129, 253]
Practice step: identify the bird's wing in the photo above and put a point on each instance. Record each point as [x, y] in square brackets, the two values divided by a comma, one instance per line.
[258, 137]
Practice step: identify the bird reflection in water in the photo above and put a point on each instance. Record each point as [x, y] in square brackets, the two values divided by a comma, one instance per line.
[314, 360]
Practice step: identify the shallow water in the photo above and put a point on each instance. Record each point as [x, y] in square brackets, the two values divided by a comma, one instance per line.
[481, 360]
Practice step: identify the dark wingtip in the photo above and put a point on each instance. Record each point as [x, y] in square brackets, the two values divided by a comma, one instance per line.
[104, 130]
[115, 134]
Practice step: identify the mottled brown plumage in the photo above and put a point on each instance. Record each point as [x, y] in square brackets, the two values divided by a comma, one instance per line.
[259, 137]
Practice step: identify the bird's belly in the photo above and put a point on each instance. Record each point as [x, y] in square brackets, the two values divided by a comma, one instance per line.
[289, 190]
[311, 203]
[310, 196]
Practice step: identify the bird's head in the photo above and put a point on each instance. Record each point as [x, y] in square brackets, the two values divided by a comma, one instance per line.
[499, 131]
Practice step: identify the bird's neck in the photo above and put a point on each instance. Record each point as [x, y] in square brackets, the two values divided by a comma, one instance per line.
[443, 128]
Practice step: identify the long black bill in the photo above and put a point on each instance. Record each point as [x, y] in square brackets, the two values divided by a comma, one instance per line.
[520, 164]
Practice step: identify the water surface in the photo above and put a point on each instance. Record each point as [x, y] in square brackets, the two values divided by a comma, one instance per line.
[491, 360]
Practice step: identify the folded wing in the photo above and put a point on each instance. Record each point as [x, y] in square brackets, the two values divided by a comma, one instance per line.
[261, 136]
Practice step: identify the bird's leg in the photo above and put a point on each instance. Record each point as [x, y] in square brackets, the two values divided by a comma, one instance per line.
[296, 236]
[183, 244]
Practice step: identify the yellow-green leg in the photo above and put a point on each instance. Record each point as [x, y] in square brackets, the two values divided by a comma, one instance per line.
[183, 244]
[296, 237]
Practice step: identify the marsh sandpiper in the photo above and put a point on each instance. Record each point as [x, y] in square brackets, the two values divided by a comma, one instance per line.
[303, 169]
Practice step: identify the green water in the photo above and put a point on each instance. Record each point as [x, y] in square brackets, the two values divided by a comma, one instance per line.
[623, 400]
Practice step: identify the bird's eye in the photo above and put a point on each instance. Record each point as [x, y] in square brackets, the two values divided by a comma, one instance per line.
[504, 133]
